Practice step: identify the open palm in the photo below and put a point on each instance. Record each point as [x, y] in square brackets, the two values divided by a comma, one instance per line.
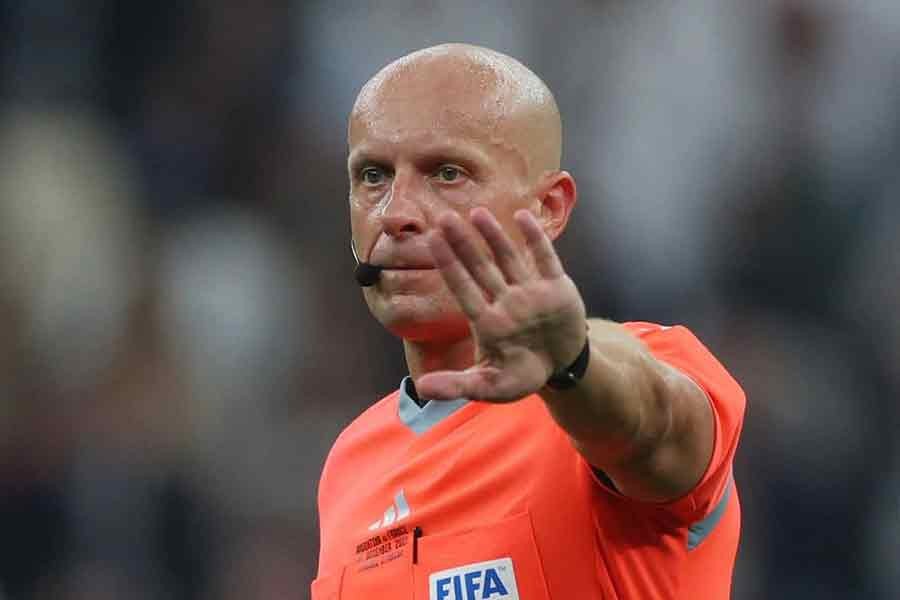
[526, 315]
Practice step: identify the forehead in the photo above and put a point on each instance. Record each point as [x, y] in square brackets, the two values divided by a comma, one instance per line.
[425, 110]
[420, 101]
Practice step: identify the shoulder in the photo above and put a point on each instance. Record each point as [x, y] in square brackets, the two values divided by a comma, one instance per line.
[656, 334]
[378, 416]
[677, 346]
[352, 447]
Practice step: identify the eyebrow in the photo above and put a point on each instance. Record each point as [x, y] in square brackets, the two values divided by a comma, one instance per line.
[359, 158]
[456, 153]
[441, 151]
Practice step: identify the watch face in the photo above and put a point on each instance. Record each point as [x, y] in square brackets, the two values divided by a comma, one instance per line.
[562, 381]
[570, 377]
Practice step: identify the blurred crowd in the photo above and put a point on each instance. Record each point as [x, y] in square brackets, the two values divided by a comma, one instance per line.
[182, 338]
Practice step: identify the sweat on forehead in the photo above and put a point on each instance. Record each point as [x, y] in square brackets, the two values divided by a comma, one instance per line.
[459, 82]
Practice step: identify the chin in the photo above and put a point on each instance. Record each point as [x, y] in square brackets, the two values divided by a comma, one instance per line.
[421, 319]
[447, 330]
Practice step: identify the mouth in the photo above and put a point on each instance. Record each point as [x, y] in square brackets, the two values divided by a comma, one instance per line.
[408, 268]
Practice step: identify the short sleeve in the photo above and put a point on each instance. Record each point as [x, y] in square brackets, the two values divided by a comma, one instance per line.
[679, 348]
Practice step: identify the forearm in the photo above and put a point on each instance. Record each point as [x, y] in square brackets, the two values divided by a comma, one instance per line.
[645, 424]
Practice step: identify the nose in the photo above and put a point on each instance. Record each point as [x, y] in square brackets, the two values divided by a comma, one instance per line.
[404, 213]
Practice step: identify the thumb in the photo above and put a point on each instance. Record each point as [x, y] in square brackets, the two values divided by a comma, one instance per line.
[473, 383]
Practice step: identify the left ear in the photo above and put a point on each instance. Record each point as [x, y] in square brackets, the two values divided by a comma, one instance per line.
[557, 195]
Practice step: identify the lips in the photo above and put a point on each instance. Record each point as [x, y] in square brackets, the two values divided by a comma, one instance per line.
[412, 259]
[406, 267]
[401, 253]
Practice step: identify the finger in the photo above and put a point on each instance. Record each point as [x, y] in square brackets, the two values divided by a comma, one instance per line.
[545, 258]
[463, 241]
[445, 385]
[458, 280]
[476, 383]
[505, 253]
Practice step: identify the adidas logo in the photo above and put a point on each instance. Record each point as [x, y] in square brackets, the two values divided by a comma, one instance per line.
[397, 511]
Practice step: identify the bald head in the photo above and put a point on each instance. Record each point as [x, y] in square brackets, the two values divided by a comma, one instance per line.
[473, 88]
[447, 130]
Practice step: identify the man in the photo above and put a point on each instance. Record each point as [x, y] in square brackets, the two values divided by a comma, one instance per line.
[531, 453]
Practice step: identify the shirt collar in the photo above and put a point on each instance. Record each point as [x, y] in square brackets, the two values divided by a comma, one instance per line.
[421, 419]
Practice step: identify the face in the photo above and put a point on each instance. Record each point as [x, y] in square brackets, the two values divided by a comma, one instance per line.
[418, 148]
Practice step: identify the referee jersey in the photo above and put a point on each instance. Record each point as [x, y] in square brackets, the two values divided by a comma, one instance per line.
[466, 500]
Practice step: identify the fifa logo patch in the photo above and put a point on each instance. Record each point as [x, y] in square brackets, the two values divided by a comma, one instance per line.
[490, 580]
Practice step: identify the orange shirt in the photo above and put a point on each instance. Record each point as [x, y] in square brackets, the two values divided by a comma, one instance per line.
[472, 501]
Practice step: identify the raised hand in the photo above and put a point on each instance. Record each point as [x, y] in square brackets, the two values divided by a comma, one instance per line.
[526, 315]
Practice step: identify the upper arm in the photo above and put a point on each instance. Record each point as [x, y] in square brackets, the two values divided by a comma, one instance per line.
[703, 408]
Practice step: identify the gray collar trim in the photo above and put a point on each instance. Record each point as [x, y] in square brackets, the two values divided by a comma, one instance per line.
[421, 419]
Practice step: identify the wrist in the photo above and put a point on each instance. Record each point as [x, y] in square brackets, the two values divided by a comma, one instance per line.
[569, 376]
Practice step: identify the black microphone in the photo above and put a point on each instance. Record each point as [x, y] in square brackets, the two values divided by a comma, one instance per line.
[366, 274]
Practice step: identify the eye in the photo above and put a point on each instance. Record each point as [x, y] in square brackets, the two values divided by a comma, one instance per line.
[373, 176]
[449, 173]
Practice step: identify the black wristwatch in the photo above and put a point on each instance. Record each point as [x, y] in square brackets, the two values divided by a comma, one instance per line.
[570, 376]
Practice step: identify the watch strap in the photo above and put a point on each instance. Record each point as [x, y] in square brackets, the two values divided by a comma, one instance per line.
[570, 376]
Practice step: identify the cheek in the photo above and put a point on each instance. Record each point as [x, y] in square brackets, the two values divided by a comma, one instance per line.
[461, 198]
[362, 224]
[357, 214]
[504, 205]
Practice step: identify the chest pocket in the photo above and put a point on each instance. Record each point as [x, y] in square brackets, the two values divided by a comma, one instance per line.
[499, 561]
[389, 578]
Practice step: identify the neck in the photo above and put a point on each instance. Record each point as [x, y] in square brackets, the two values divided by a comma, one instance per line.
[425, 357]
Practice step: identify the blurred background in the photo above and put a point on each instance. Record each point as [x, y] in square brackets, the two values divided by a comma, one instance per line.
[182, 339]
